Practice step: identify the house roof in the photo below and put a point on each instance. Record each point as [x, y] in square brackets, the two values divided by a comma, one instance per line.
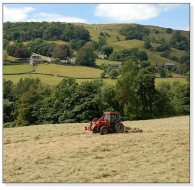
[169, 64]
[114, 65]
[35, 54]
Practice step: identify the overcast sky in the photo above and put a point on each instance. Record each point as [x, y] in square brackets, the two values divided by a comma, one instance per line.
[175, 16]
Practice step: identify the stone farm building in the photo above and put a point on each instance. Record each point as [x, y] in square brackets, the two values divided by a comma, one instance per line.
[35, 58]
[115, 65]
[169, 65]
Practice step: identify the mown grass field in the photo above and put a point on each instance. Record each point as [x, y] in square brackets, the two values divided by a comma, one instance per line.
[68, 153]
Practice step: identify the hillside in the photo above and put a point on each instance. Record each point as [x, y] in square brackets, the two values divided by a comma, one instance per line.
[68, 153]
[114, 39]
[112, 33]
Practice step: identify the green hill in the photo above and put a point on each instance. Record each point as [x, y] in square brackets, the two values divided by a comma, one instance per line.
[114, 38]
[113, 31]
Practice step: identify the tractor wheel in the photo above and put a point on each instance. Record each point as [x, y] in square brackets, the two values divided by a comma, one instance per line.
[119, 128]
[95, 130]
[104, 130]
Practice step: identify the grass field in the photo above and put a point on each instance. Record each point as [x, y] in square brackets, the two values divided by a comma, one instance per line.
[68, 153]
[171, 80]
[69, 71]
[99, 62]
[15, 78]
[17, 69]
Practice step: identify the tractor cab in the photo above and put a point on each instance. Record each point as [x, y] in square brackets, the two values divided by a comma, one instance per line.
[112, 117]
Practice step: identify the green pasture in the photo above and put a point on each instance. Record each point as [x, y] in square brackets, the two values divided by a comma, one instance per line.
[54, 80]
[99, 62]
[111, 29]
[15, 78]
[17, 69]
[171, 80]
[68, 71]
[50, 80]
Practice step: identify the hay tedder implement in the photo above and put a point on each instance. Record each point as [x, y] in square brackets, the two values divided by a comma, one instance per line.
[110, 123]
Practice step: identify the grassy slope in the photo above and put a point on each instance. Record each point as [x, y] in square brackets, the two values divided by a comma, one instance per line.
[67, 153]
[112, 30]
[153, 58]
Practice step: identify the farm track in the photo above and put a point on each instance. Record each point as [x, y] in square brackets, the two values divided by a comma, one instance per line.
[67, 153]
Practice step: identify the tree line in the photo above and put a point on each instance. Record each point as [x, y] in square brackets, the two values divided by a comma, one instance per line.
[26, 31]
[135, 96]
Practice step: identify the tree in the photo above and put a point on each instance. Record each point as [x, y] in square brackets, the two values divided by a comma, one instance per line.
[181, 98]
[28, 99]
[143, 56]
[144, 85]
[113, 73]
[5, 43]
[86, 56]
[11, 49]
[169, 30]
[145, 64]
[24, 85]
[184, 58]
[76, 44]
[20, 53]
[62, 51]
[107, 50]
[8, 110]
[164, 106]
[125, 90]
[165, 54]
[147, 45]
[162, 73]
[8, 89]
[102, 41]
[106, 99]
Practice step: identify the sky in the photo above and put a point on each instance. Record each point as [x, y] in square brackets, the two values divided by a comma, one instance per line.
[174, 15]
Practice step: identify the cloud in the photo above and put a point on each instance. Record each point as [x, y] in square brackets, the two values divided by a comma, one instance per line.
[22, 15]
[39, 17]
[166, 7]
[16, 14]
[130, 12]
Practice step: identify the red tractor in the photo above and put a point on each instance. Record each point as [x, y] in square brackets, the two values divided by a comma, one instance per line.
[109, 123]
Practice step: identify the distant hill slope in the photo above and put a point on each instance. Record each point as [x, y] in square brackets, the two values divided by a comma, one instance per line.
[118, 42]
[113, 31]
